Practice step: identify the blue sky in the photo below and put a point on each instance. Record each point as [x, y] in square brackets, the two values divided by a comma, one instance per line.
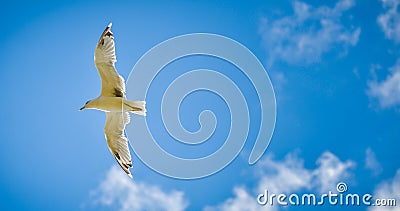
[334, 66]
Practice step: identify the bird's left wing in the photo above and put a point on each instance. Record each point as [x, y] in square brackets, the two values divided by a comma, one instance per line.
[116, 140]
[113, 85]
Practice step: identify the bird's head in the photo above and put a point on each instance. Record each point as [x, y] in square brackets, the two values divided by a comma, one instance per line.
[87, 105]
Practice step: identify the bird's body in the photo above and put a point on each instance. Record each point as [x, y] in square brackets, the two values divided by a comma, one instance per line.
[113, 102]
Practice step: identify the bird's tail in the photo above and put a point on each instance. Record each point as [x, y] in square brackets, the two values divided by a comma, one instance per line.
[136, 107]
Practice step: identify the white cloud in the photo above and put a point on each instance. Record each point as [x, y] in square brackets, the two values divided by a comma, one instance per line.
[278, 80]
[289, 176]
[241, 202]
[387, 92]
[118, 190]
[390, 20]
[387, 190]
[330, 171]
[307, 34]
[283, 176]
[372, 163]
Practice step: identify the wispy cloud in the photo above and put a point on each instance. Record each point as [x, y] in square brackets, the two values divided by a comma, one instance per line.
[330, 171]
[120, 192]
[304, 36]
[289, 176]
[242, 201]
[372, 163]
[387, 91]
[389, 21]
[387, 190]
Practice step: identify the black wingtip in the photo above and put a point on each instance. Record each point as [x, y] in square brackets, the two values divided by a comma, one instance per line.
[124, 167]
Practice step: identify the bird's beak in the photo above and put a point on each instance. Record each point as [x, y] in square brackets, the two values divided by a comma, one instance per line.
[82, 108]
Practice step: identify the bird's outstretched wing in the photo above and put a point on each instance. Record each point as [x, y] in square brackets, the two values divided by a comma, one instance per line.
[116, 140]
[113, 85]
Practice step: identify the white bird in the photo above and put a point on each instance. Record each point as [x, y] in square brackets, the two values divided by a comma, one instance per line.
[113, 102]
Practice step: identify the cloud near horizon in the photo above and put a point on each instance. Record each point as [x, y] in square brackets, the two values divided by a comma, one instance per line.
[118, 191]
[289, 176]
[388, 189]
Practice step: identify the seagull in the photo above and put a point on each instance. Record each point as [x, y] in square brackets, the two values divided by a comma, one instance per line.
[113, 102]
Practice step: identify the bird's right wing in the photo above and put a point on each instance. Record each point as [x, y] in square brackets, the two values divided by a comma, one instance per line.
[116, 140]
[113, 85]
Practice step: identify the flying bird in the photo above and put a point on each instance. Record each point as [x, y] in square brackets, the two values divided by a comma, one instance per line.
[113, 102]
